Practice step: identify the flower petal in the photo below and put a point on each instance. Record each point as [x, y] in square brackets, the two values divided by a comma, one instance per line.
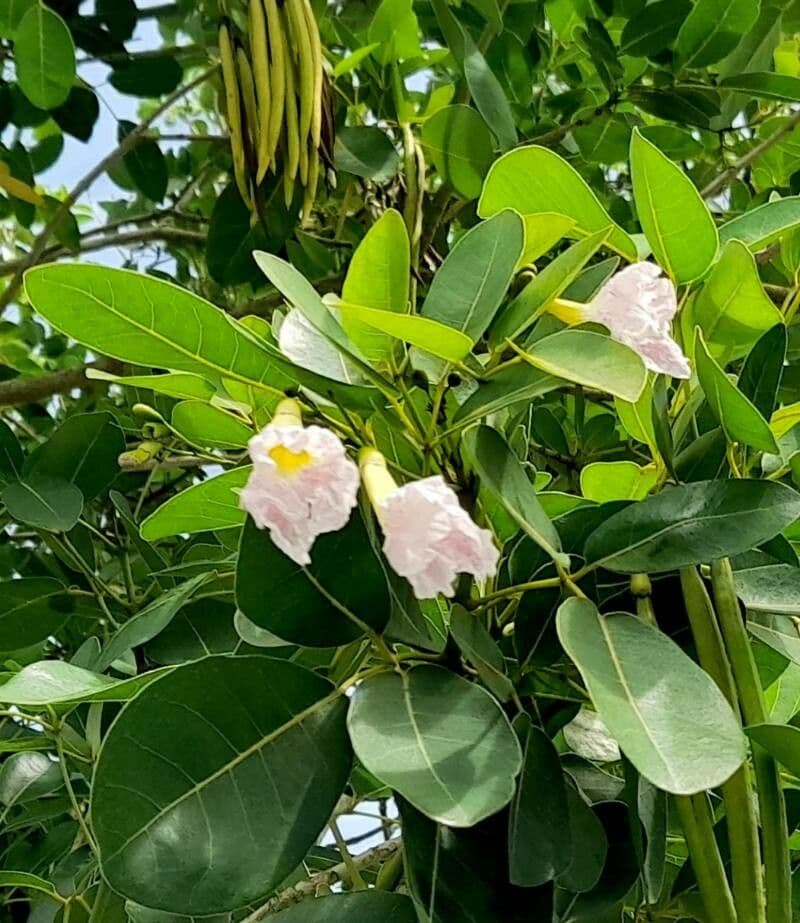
[302, 484]
[430, 539]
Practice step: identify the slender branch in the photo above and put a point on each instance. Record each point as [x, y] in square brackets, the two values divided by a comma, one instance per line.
[124, 238]
[164, 11]
[122, 57]
[127, 144]
[719, 182]
[31, 390]
[310, 886]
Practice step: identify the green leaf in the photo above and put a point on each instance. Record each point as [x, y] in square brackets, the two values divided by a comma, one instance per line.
[320, 605]
[83, 450]
[543, 231]
[173, 384]
[11, 13]
[25, 777]
[666, 713]
[484, 87]
[481, 651]
[227, 750]
[29, 882]
[762, 371]
[201, 628]
[588, 844]
[147, 77]
[713, 29]
[378, 278]
[145, 164]
[204, 425]
[761, 225]
[776, 631]
[205, 507]
[146, 321]
[534, 179]
[692, 524]
[674, 218]
[147, 624]
[617, 480]
[32, 609]
[45, 57]
[765, 85]
[44, 502]
[781, 741]
[544, 821]
[590, 359]
[653, 28]
[739, 419]
[771, 588]
[732, 308]
[423, 332]
[502, 474]
[460, 145]
[365, 150]
[514, 385]
[11, 454]
[371, 906]
[54, 682]
[546, 285]
[471, 283]
[458, 777]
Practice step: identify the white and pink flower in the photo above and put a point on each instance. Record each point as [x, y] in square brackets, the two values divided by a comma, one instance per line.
[428, 537]
[303, 483]
[637, 305]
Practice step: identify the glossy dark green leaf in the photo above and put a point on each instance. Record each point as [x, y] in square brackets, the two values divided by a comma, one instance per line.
[365, 150]
[209, 788]
[11, 455]
[31, 609]
[738, 417]
[712, 29]
[461, 876]
[480, 650]
[363, 907]
[667, 714]
[83, 450]
[515, 385]
[148, 77]
[44, 502]
[504, 477]
[691, 524]
[197, 630]
[145, 164]
[588, 844]
[469, 286]
[781, 741]
[653, 28]
[146, 625]
[762, 371]
[457, 766]
[320, 605]
[28, 776]
[539, 842]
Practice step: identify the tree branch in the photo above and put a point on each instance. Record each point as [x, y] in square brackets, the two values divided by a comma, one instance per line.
[123, 238]
[33, 389]
[262, 306]
[310, 886]
[719, 182]
[127, 144]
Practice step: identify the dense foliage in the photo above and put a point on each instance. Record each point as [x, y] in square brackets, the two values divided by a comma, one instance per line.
[425, 237]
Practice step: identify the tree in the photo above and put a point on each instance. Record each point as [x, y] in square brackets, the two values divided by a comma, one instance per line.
[408, 529]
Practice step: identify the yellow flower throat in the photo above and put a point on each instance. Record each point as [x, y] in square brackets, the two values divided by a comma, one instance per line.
[289, 462]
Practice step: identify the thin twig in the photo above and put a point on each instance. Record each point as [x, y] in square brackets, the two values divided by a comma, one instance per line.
[719, 182]
[127, 144]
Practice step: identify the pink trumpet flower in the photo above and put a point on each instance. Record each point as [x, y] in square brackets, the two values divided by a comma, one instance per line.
[428, 538]
[637, 306]
[302, 483]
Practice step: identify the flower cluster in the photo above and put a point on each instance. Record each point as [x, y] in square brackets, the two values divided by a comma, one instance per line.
[304, 484]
